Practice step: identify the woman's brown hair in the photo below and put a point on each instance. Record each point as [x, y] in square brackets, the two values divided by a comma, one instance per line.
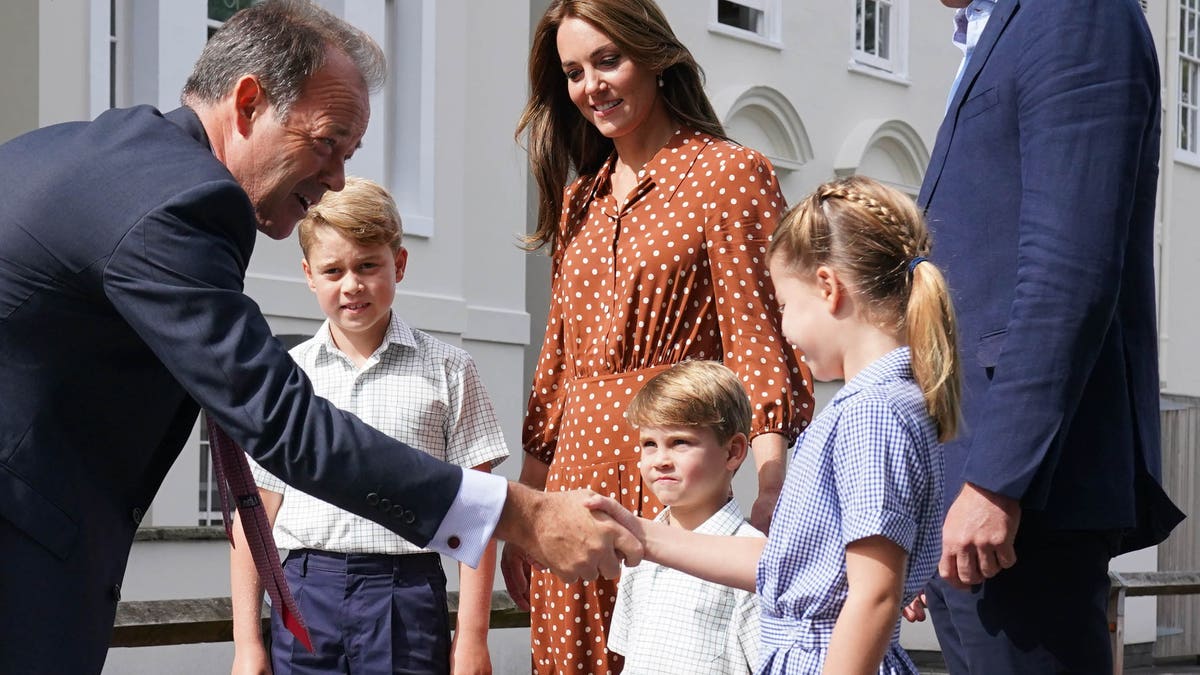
[561, 142]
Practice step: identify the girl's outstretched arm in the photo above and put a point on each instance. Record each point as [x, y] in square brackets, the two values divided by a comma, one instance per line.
[729, 561]
[875, 574]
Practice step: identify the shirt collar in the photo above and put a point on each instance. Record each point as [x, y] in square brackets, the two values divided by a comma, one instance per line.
[398, 333]
[724, 522]
[187, 119]
[969, 23]
[687, 141]
[895, 365]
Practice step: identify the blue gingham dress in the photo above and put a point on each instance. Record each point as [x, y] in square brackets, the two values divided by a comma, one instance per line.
[869, 464]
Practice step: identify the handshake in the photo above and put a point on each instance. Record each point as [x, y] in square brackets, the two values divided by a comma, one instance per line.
[575, 535]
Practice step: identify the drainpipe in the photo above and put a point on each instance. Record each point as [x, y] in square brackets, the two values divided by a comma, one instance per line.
[1164, 222]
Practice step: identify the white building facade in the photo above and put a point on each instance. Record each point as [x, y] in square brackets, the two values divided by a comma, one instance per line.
[823, 87]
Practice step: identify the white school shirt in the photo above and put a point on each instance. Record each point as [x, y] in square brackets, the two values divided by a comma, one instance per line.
[666, 621]
[414, 388]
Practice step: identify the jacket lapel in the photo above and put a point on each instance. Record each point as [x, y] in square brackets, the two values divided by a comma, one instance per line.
[1004, 11]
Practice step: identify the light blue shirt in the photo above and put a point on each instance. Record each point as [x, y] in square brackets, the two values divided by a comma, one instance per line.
[969, 23]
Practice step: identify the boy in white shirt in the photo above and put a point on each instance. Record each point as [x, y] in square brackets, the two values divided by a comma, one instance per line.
[693, 422]
[373, 601]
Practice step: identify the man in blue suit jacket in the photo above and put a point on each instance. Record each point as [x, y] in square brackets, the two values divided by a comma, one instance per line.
[123, 247]
[1040, 195]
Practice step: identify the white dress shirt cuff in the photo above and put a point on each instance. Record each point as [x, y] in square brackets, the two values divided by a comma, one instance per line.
[471, 520]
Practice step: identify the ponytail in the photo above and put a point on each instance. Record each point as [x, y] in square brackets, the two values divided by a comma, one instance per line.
[932, 333]
[876, 236]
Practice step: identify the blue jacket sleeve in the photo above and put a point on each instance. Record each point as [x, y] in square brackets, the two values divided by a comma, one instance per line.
[1086, 95]
[176, 278]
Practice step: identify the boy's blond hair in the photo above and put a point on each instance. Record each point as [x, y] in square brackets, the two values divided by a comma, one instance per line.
[363, 211]
[693, 394]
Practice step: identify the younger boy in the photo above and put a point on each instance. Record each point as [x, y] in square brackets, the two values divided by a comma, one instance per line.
[373, 601]
[693, 421]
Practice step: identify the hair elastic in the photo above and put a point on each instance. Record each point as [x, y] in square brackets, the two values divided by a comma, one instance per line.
[912, 265]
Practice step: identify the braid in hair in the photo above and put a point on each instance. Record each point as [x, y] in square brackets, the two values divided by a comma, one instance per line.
[876, 239]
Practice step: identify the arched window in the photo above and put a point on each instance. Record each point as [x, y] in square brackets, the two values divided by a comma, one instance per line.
[889, 151]
[763, 119]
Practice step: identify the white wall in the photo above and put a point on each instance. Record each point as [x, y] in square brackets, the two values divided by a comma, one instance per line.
[467, 283]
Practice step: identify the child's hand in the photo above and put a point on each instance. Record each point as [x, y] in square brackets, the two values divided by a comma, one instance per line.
[469, 656]
[515, 565]
[252, 660]
[559, 531]
[625, 519]
[915, 611]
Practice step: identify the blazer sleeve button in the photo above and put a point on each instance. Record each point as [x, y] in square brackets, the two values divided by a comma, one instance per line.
[373, 498]
[385, 504]
[410, 517]
[397, 511]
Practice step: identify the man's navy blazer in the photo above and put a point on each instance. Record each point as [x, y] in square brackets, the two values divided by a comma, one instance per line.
[123, 247]
[1040, 196]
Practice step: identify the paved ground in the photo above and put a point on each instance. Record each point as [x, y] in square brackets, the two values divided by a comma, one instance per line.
[930, 664]
[1167, 669]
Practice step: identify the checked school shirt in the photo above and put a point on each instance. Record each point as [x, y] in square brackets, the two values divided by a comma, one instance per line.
[414, 388]
[666, 621]
[869, 464]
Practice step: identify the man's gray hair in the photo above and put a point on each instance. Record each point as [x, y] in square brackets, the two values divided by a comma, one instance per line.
[282, 42]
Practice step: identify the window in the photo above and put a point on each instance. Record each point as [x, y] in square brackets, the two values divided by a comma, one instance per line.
[142, 56]
[754, 20]
[747, 16]
[408, 107]
[219, 12]
[112, 53]
[210, 498]
[881, 35]
[110, 58]
[1188, 140]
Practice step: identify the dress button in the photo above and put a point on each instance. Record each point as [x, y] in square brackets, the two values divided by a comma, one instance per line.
[453, 542]
[373, 498]
[137, 515]
[385, 504]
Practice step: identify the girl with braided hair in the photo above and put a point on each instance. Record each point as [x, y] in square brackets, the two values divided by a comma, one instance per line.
[857, 530]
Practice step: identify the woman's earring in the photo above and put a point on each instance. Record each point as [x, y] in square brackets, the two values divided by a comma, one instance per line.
[660, 80]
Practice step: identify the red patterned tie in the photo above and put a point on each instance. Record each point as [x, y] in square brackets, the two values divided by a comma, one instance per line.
[233, 474]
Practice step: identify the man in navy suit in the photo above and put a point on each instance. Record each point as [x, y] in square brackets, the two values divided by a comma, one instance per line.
[1040, 194]
[123, 247]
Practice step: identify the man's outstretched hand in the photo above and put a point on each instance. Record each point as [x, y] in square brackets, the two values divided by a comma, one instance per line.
[557, 531]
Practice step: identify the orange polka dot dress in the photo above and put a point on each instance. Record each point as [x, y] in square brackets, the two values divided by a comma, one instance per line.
[678, 272]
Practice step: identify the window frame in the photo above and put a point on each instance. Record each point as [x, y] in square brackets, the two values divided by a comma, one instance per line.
[895, 65]
[1187, 133]
[770, 33]
[110, 60]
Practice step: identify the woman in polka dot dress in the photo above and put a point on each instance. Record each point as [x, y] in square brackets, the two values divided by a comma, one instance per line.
[658, 251]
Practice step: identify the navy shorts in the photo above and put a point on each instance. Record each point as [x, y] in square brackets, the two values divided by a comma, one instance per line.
[366, 613]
